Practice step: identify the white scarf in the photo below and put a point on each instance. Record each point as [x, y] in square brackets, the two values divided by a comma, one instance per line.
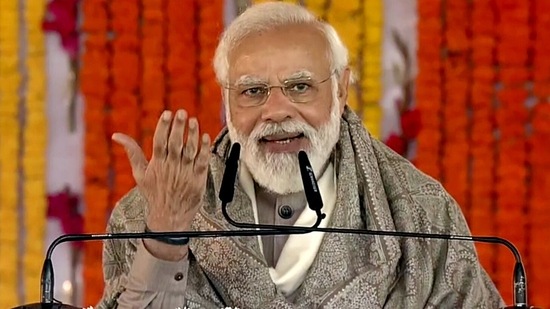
[299, 250]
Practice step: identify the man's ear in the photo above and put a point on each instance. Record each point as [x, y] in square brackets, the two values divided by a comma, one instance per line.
[343, 88]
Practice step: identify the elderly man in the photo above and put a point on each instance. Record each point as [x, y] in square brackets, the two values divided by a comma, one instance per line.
[285, 77]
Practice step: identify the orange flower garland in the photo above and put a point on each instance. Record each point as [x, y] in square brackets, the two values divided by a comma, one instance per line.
[153, 81]
[539, 160]
[210, 100]
[181, 62]
[95, 88]
[428, 95]
[482, 127]
[456, 97]
[512, 115]
[125, 111]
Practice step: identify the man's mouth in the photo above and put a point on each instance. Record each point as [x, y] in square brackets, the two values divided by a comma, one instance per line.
[285, 138]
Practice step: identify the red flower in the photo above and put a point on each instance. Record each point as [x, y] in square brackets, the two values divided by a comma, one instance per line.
[61, 17]
[397, 143]
[410, 123]
[64, 206]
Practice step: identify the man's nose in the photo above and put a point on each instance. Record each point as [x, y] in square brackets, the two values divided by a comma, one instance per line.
[278, 107]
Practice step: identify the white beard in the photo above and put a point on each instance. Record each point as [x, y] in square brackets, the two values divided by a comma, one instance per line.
[280, 172]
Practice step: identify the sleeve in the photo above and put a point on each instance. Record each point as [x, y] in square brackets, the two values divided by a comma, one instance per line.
[133, 277]
[460, 280]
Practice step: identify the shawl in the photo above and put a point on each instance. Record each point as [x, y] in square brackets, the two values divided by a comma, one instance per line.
[377, 189]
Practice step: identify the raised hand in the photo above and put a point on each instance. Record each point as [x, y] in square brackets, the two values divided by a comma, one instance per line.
[174, 180]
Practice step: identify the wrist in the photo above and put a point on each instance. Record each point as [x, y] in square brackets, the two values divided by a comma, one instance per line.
[165, 251]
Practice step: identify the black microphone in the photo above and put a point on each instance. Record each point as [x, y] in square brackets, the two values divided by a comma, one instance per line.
[227, 187]
[311, 189]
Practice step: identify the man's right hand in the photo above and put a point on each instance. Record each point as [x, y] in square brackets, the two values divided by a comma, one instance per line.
[173, 181]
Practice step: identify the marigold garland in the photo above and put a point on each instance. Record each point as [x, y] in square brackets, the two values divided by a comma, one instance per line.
[482, 127]
[34, 153]
[153, 78]
[539, 160]
[210, 100]
[511, 183]
[456, 90]
[95, 87]
[371, 59]
[347, 18]
[10, 80]
[182, 56]
[429, 85]
[125, 111]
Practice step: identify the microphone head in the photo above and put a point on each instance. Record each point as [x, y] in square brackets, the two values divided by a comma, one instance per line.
[311, 189]
[227, 188]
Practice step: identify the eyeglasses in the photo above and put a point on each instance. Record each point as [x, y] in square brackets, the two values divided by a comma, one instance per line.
[301, 90]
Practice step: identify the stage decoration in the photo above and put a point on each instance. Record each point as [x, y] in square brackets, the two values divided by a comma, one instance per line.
[182, 57]
[482, 138]
[210, 28]
[61, 18]
[409, 116]
[456, 94]
[538, 157]
[140, 58]
[125, 112]
[371, 61]
[153, 77]
[429, 84]
[34, 149]
[493, 114]
[512, 116]
[10, 81]
[95, 87]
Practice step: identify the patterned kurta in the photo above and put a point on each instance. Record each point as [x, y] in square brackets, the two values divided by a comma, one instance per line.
[377, 190]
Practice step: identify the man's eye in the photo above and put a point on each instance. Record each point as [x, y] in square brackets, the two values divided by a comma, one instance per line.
[299, 87]
[254, 91]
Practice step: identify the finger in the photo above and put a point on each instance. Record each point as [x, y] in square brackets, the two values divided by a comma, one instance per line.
[161, 135]
[135, 154]
[190, 149]
[175, 140]
[201, 161]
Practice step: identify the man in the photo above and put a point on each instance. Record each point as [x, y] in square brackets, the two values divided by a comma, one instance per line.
[285, 80]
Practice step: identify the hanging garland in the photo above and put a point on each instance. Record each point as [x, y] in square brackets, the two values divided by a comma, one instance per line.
[482, 129]
[429, 85]
[210, 101]
[153, 80]
[511, 115]
[34, 154]
[10, 80]
[96, 91]
[371, 78]
[456, 91]
[182, 56]
[539, 160]
[347, 17]
[125, 111]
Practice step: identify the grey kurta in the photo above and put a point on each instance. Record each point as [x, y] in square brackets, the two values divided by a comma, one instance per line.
[377, 190]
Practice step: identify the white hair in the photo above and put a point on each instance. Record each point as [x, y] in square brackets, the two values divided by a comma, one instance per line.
[269, 16]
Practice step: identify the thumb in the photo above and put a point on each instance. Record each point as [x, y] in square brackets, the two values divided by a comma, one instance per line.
[135, 154]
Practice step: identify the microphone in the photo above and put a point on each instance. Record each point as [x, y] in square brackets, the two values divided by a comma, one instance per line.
[227, 188]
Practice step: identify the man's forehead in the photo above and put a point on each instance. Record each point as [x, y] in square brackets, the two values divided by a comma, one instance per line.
[265, 77]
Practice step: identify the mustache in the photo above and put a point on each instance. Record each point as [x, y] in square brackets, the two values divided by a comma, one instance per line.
[286, 127]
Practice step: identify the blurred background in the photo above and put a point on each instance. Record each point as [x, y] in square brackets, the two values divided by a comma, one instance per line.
[460, 88]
